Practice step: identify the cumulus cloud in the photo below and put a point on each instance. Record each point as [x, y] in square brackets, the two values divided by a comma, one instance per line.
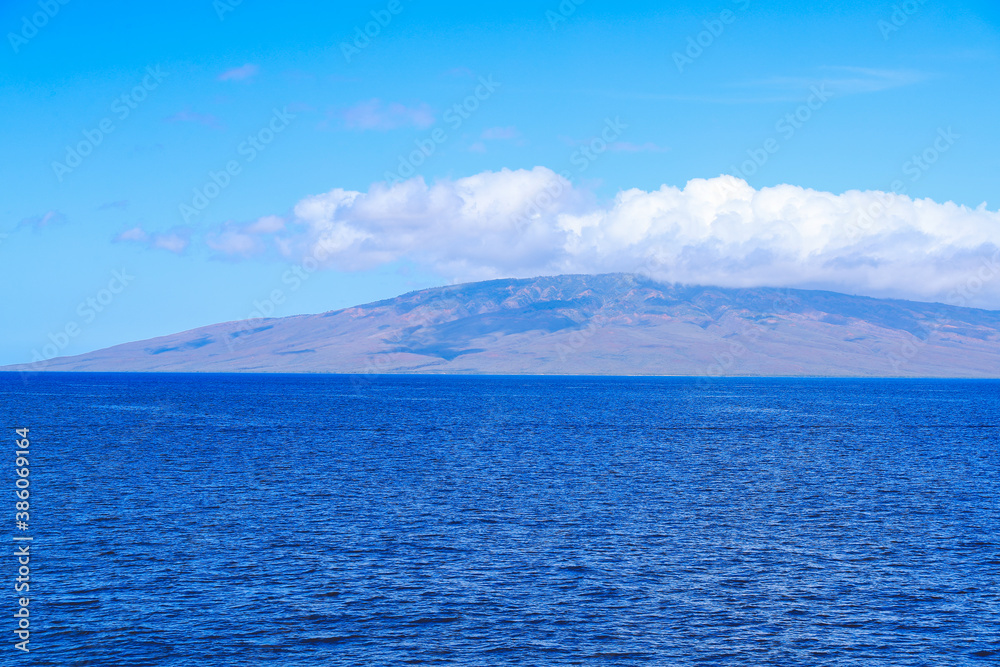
[175, 240]
[717, 231]
[242, 73]
[375, 115]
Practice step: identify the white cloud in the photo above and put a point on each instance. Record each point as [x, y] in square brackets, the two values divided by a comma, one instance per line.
[460, 73]
[717, 231]
[175, 240]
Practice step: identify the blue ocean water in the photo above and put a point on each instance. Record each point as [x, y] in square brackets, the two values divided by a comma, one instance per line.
[325, 520]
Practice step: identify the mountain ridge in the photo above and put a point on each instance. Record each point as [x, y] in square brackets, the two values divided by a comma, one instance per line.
[606, 324]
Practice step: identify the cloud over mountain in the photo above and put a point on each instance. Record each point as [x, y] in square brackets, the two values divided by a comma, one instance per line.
[720, 231]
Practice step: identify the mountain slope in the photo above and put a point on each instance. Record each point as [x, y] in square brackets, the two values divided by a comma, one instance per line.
[605, 324]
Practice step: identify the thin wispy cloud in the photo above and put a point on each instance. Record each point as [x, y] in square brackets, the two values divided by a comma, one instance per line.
[629, 147]
[501, 133]
[242, 73]
[373, 114]
[205, 119]
[121, 204]
[296, 107]
[509, 134]
[843, 80]
[340, 78]
[146, 149]
[618, 146]
[838, 81]
[44, 220]
[460, 73]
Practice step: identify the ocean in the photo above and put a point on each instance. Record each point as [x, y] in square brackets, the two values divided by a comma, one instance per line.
[447, 520]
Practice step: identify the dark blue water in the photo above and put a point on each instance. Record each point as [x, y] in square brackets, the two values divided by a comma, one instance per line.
[290, 520]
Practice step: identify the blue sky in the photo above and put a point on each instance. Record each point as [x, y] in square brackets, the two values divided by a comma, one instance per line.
[183, 85]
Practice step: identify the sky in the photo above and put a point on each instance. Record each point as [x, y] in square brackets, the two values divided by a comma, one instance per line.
[173, 165]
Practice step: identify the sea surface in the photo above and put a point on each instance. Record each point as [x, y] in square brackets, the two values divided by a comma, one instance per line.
[330, 520]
